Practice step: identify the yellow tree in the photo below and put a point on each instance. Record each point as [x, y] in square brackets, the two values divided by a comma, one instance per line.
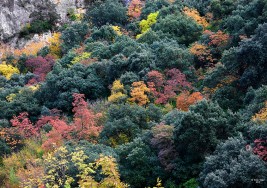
[117, 93]
[145, 25]
[8, 70]
[110, 171]
[261, 116]
[139, 93]
[108, 166]
[54, 47]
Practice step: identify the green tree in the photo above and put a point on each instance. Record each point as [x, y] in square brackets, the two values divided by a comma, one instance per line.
[178, 27]
[232, 165]
[73, 35]
[197, 134]
[109, 11]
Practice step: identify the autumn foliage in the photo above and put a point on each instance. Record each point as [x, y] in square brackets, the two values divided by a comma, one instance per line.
[84, 120]
[202, 53]
[194, 14]
[260, 148]
[139, 93]
[219, 39]
[30, 49]
[83, 127]
[24, 125]
[261, 116]
[162, 140]
[167, 87]
[54, 47]
[135, 9]
[185, 100]
[117, 92]
[8, 70]
[12, 137]
[40, 66]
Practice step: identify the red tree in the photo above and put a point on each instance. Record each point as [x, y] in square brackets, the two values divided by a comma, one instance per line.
[83, 127]
[24, 125]
[135, 9]
[60, 132]
[85, 121]
[40, 66]
[167, 87]
[185, 100]
[260, 148]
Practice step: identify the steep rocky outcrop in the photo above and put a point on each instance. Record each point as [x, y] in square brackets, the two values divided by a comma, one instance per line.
[15, 14]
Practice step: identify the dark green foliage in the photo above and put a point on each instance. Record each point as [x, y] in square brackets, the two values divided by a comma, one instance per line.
[240, 61]
[246, 18]
[127, 79]
[125, 122]
[254, 101]
[141, 62]
[222, 8]
[179, 27]
[139, 165]
[198, 133]
[122, 45]
[111, 11]
[253, 131]
[174, 117]
[39, 26]
[104, 33]
[62, 83]
[232, 165]
[201, 5]
[213, 79]
[73, 35]
[229, 97]
[149, 37]
[24, 101]
[153, 6]
[44, 51]
[117, 66]
[65, 61]
[4, 149]
[21, 63]
[93, 151]
[169, 54]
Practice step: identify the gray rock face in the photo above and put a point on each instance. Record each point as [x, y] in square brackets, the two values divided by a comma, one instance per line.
[15, 14]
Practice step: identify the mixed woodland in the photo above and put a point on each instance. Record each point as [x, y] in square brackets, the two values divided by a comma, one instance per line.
[138, 93]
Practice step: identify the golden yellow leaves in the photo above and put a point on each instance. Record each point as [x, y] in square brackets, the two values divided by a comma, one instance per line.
[8, 70]
[194, 14]
[117, 92]
[139, 93]
[261, 116]
[54, 47]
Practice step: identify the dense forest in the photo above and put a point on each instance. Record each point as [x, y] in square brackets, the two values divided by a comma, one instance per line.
[138, 93]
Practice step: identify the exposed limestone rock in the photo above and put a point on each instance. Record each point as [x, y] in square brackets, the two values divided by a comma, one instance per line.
[15, 14]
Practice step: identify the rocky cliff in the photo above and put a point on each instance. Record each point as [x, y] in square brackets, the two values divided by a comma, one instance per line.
[15, 14]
